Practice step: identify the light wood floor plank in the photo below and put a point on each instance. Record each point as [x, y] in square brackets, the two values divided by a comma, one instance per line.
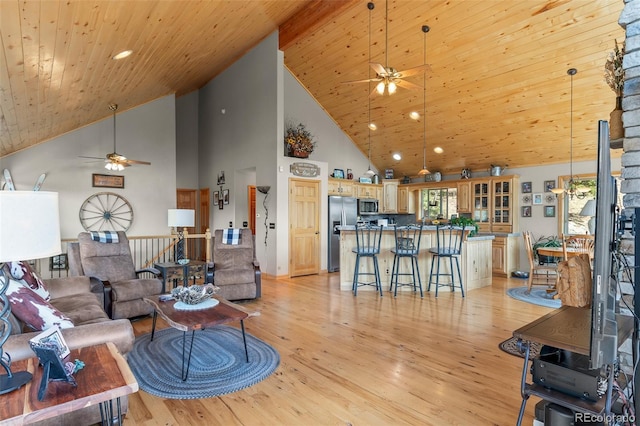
[369, 360]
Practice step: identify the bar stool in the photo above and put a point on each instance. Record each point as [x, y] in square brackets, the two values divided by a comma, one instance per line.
[407, 246]
[368, 246]
[449, 240]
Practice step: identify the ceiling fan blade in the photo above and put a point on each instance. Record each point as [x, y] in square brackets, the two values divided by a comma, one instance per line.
[360, 81]
[93, 158]
[128, 162]
[408, 85]
[413, 71]
[378, 68]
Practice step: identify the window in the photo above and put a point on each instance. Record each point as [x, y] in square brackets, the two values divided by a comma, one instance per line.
[439, 203]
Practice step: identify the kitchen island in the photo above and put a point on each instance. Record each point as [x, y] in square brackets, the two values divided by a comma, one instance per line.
[475, 262]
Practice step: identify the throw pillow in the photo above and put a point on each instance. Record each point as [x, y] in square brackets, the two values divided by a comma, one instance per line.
[22, 272]
[32, 309]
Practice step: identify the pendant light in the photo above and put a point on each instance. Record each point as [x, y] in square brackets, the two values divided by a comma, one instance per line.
[424, 170]
[571, 188]
[370, 125]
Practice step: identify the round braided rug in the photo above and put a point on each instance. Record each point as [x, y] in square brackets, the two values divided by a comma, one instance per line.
[218, 363]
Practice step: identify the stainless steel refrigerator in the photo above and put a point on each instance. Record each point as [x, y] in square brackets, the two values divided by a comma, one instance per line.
[342, 211]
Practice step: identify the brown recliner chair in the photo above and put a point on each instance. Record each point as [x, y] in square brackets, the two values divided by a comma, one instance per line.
[236, 270]
[111, 265]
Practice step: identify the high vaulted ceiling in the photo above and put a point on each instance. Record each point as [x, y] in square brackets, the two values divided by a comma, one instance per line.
[497, 91]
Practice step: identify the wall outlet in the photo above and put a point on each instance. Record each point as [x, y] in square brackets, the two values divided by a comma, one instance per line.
[272, 226]
[230, 224]
[245, 224]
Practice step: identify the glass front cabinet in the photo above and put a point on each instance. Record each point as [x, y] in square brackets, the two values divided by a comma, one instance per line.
[495, 204]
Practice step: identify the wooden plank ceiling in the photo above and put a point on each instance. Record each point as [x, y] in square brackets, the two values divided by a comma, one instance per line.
[497, 92]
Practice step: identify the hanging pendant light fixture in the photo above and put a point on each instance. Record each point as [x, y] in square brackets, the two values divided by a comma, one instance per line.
[571, 188]
[424, 170]
[370, 125]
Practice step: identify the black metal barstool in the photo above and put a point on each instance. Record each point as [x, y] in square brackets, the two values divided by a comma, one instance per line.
[407, 246]
[449, 240]
[368, 246]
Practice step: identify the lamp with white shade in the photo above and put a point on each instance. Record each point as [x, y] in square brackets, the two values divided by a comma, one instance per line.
[29, 229]
[179, 219]
[589, 209]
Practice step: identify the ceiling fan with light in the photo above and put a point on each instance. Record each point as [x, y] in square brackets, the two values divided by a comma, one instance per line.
[389, 78]
[115, 161]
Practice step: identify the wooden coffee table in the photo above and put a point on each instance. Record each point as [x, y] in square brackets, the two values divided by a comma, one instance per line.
[105, 378]
[193, 320]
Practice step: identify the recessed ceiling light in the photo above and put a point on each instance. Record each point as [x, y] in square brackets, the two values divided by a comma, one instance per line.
[414, 115]
[373, 126]
[122, 54]
[397, 157]
[438, 150]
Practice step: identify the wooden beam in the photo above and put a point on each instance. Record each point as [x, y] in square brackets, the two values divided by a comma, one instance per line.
[309, 19]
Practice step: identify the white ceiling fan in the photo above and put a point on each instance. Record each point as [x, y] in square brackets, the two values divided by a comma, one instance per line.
[388, 78]
[115, 161]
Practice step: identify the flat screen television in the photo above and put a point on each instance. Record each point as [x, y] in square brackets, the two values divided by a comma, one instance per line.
[604, 329]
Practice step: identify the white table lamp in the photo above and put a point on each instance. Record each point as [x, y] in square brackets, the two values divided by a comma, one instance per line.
[589, 209]
[29, 229]
[179, 219]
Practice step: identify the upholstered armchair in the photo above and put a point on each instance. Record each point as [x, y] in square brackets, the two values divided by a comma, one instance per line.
[111, 265]
[236, 270]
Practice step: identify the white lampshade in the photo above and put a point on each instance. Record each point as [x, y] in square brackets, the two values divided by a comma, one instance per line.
[29, 225]
[181, 217]
[589, 208]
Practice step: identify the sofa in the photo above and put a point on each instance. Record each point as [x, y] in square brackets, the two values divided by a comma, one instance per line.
[235, 267]
[73, 297]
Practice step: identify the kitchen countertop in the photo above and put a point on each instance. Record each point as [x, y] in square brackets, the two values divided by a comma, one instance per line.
[478, 237]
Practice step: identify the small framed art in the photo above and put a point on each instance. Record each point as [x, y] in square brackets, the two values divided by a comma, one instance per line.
[537, 199]
[216, 198]
[526, 187]
[338, 173]
[526, 199]
[549, 185]
[526, 211]
[225, 196]
[549, 211]
[107, 181]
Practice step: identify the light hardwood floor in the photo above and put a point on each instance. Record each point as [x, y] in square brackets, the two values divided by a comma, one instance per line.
[369, 360]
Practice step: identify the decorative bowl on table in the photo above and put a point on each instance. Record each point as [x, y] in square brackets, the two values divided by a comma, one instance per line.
[194, 294]
[183, 261]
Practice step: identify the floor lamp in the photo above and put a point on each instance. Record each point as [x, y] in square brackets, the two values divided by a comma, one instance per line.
[180, 219]
[29, 229]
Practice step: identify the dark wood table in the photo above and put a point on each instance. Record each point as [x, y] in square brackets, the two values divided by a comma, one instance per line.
[106, 377]
[193, 320]
[173, 272]
[567, 328]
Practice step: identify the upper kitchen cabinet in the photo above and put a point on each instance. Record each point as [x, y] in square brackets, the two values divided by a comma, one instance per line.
[464, 196]
[390, 196]
[406, 200]
[494, 203]
[343, 187]
[369, 190]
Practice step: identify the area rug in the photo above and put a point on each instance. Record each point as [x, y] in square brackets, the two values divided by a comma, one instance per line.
[538, 296]
[218, 363]
[510, 346]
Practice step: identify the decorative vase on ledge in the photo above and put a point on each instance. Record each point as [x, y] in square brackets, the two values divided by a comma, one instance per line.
[616, 128]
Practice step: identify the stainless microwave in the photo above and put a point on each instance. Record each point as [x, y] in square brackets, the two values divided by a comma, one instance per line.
[367, 206]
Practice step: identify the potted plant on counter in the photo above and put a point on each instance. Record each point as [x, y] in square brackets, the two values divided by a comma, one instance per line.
[466, 222]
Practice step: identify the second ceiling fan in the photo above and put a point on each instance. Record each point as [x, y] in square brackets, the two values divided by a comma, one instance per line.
[388, 78]
[115, 161]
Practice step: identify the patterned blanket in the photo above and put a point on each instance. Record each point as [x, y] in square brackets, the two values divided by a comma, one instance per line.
[104, 236]
[231, 236]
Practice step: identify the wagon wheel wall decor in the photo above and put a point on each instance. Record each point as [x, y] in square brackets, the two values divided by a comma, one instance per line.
[106, 211]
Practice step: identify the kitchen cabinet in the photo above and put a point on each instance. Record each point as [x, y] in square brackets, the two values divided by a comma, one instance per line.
[464, 197]
[368, 190]
[343, 187]
[495, 203]
[390, 196]
[406, 200]
[505, 255]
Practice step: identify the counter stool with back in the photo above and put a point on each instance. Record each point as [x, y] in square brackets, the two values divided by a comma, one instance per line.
[407, 246]
[367, 246]
[449, 240]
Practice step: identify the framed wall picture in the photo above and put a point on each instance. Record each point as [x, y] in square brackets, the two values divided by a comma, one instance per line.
[526, 188]
[216, 198]
[549, 211]
[225, 196]
[59, 262]
[338, 173]
[537, 199]
[107, 181]
[526, 211]
[549, 185]
[526, 199]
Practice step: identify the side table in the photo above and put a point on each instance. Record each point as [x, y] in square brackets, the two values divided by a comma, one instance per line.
[101, 361]
[172, 272]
